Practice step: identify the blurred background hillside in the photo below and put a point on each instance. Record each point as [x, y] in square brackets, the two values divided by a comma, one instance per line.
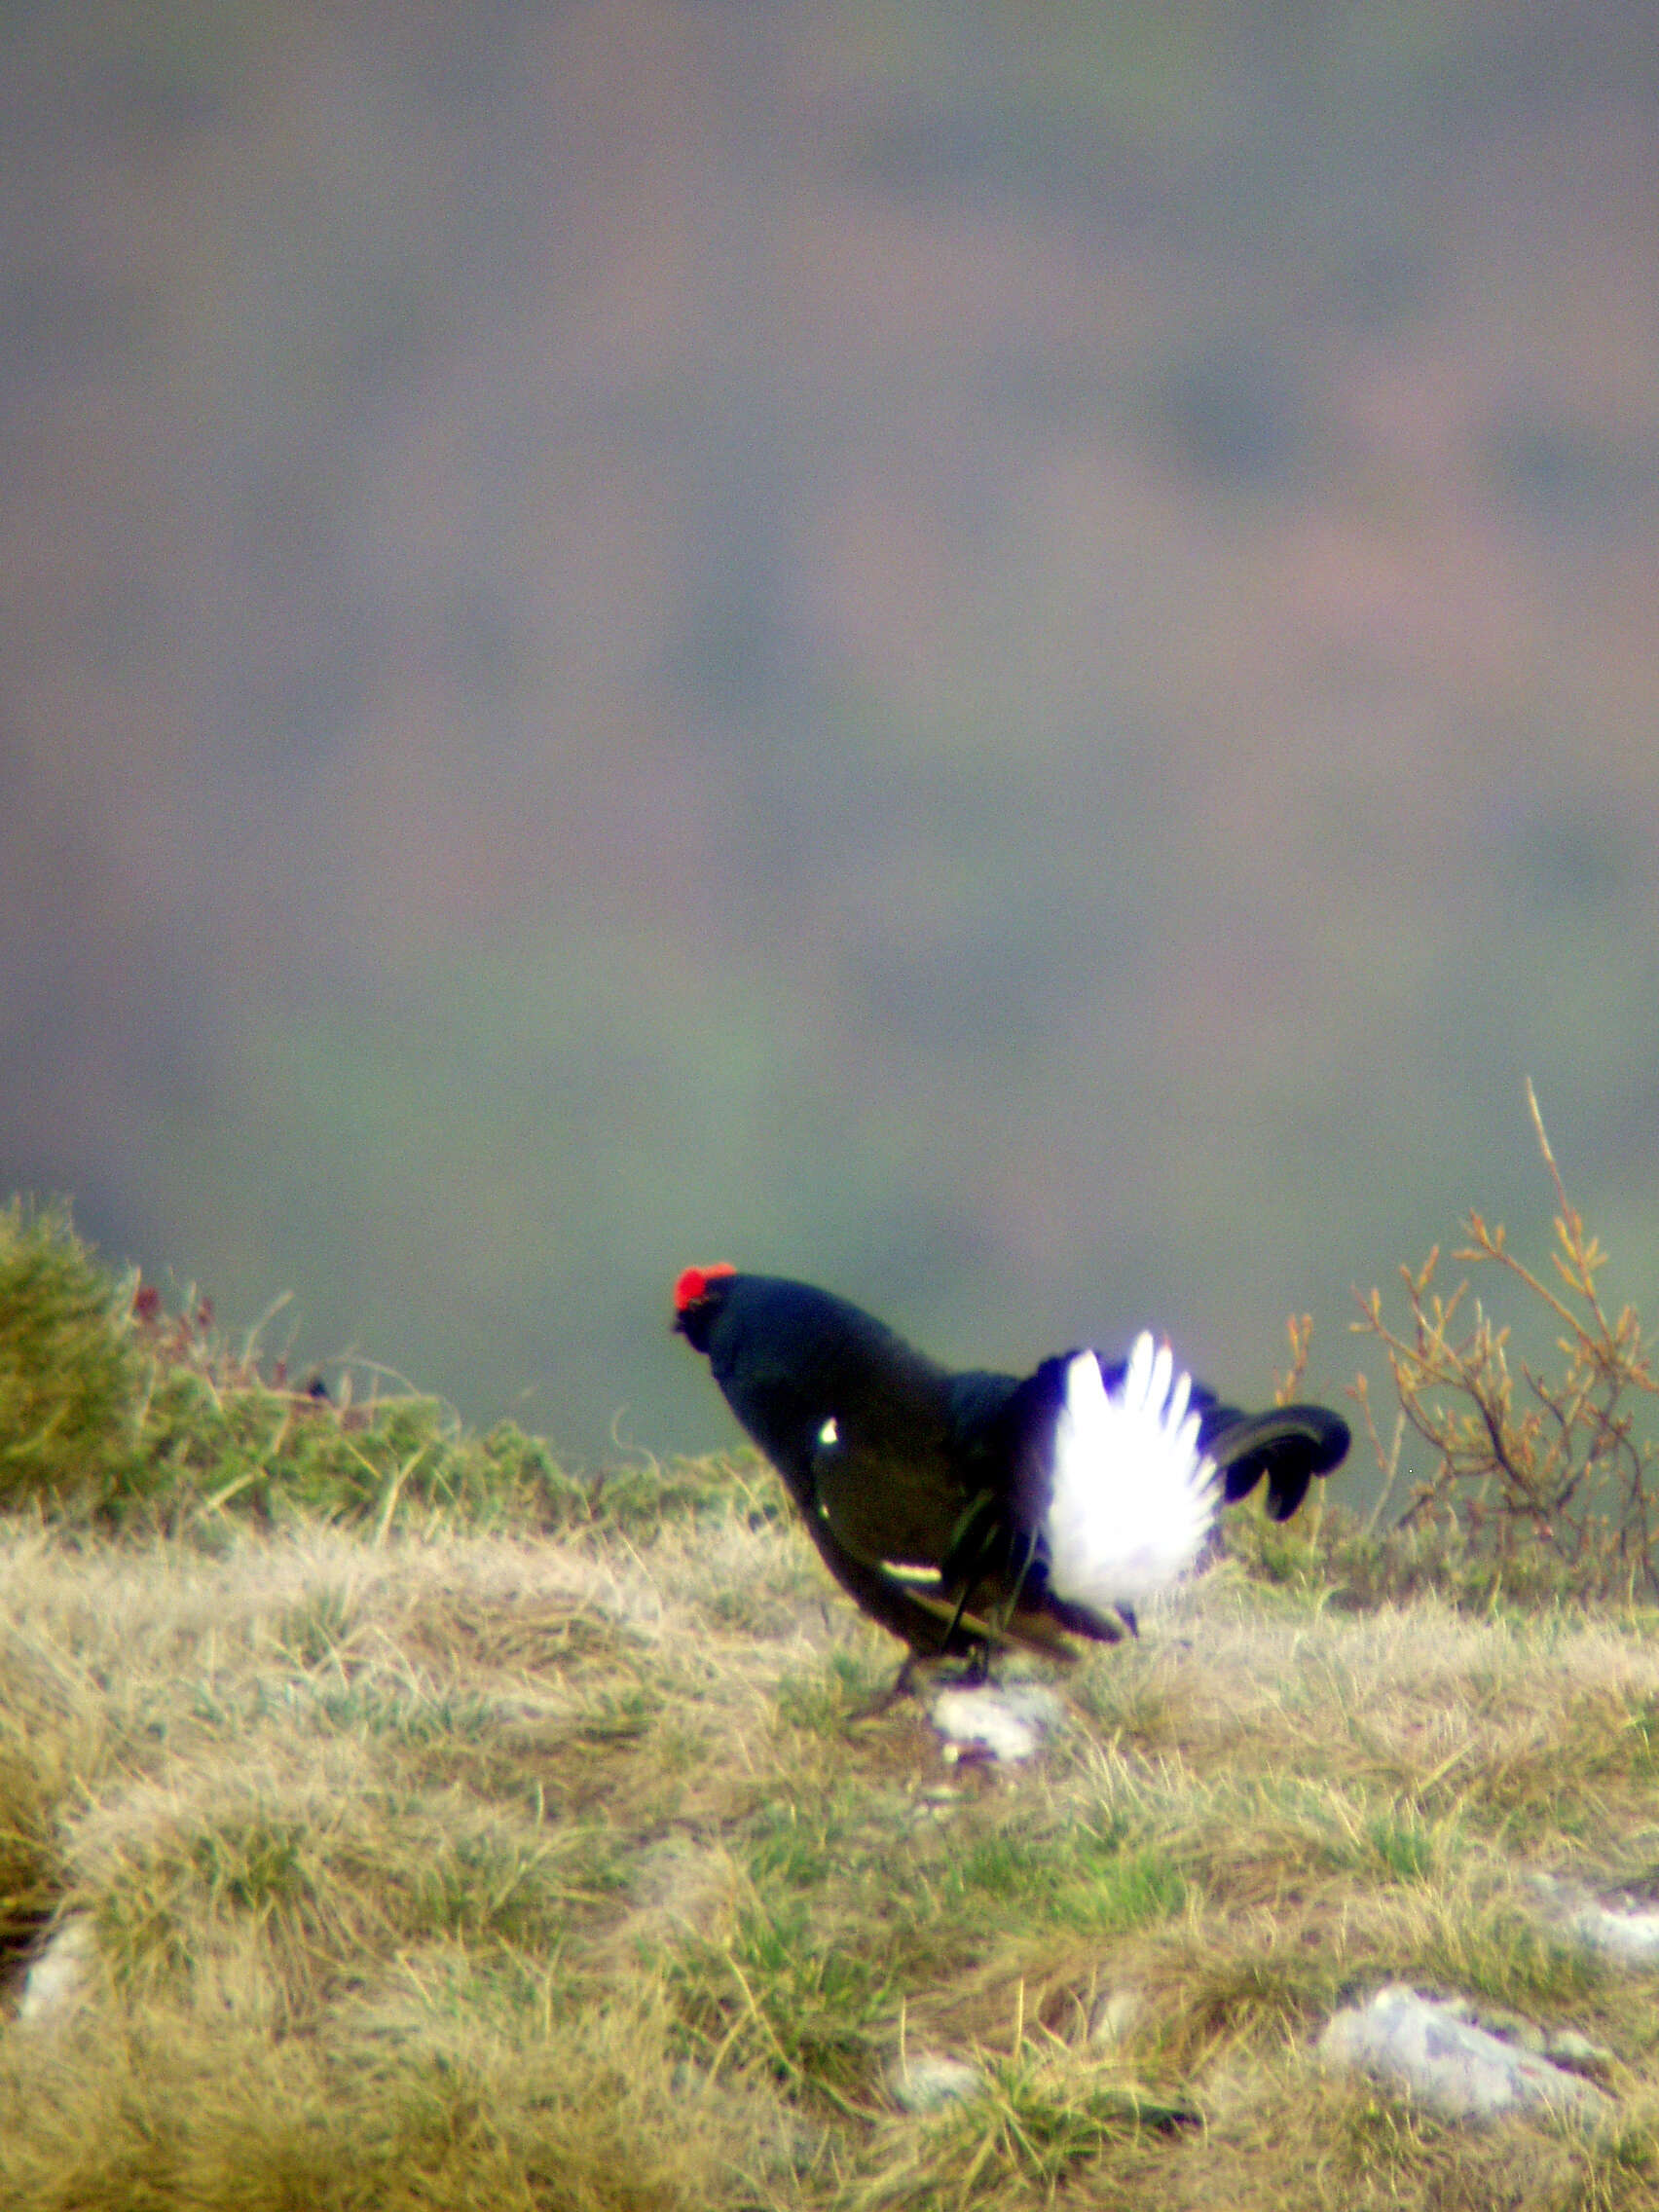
[1006, 655]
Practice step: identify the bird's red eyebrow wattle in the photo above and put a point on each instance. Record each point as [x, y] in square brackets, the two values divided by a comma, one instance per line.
[696, 1280]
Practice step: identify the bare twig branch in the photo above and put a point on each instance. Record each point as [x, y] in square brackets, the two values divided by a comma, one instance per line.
[1563, 1473]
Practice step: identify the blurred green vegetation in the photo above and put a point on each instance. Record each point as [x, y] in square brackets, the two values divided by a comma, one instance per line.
[69, 1380]
[115, 1411]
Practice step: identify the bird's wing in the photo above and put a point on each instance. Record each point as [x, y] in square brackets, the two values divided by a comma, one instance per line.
[899, 1528]
[892, 1499]
[929, 1617]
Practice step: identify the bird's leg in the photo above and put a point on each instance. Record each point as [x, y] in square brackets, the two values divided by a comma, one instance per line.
[955, 1619]
[906, 1683]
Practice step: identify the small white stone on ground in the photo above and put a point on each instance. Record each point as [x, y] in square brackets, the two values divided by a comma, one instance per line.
[925, 2082]
[1115, 2014]
[1007, 1721]
[1457, 2070]
[60, 1979]
[1624, 1930]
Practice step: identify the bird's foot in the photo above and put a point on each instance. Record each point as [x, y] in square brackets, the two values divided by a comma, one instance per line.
[920, 1671]
[918, 1674]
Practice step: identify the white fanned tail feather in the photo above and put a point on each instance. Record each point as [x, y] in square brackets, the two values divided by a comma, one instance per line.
[1133, 1496]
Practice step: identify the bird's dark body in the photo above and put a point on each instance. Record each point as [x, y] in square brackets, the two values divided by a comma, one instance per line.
[904, 1470]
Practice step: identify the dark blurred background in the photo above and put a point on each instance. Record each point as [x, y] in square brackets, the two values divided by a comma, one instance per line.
[1007, 655]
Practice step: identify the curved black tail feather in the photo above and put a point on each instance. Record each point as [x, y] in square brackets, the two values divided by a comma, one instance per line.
[1287, 1444]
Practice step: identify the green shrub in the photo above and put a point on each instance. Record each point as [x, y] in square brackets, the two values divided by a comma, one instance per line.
[70, 1379]
[113, 1407]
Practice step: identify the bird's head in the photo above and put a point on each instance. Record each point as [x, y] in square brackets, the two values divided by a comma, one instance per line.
[699, 1296]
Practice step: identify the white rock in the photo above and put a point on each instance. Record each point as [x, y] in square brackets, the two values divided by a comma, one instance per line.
[1456, 2068]
[62, 1978]
[997, 1720]
[1623, 1930]
[926, 2082]
[1114, 2015]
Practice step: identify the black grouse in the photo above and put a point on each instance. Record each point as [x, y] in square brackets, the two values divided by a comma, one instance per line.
[966, 1511]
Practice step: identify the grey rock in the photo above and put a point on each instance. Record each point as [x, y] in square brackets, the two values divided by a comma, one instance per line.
[1566, 2047]
[1563, 2047]
[1623, 1930]
[1453, 2068]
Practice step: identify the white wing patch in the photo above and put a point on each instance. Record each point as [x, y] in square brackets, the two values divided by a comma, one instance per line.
[1133, 1496]
[829, 1433]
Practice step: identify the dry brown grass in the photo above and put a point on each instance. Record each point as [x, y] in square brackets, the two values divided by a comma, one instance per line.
[472, 1870]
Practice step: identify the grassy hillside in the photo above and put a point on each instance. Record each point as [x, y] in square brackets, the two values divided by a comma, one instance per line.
[406, 1823]
[467, 1870]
